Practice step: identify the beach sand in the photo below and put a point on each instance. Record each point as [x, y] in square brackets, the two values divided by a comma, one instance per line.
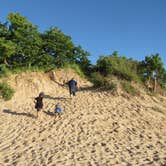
[96, 128]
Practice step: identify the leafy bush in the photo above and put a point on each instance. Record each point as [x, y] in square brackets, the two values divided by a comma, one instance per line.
[112, 86]
[4, 71]
[104, 65]
[101, 82]
[97, 79]
[76, 68]
[129, 88]
[6, 91]
[163, 85]
[119, 66]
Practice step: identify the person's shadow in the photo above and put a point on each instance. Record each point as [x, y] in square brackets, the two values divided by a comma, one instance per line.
[55, 98]
[49, 113]
[18, 113]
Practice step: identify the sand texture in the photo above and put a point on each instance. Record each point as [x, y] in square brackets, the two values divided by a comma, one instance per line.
[96, 128]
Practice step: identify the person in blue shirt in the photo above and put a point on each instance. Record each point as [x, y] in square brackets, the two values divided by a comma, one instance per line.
[72, 87]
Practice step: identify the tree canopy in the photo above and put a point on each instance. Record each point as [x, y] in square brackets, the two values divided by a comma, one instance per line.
[22, 45]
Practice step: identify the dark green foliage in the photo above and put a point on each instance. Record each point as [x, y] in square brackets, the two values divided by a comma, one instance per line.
[26, 38]
[97, 79]
[56, 44]
[101, 82]
[4, 71]
[22, 46]
[7, 48]
[6, 91]
[163, 79]
[153, 70]
[163, 85]
[82, 59]
[3, 29]
[104, 65]
[129, 88]
[119, 66]
[153, 66]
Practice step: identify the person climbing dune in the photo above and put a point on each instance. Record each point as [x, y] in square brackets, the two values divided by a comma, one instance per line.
[72, 87]
[39, 102]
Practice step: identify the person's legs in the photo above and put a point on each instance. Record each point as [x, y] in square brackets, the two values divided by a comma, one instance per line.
[70, 91]
[37, 113]
[40, 114]
[38, 110]
[55, 115]
[74, 93]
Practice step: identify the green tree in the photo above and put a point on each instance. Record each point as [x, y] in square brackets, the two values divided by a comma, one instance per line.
[119, 66]
[58, 45]
[153, 68]
[115, 53]
[7, 48]
[3, 29]
[21, 45]
[26, 38]
[82, 58]
[104, 65]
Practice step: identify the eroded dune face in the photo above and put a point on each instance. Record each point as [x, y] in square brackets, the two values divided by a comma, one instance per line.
[96, 128]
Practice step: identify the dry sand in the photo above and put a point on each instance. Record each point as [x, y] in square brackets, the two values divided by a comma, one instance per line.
[96, 128]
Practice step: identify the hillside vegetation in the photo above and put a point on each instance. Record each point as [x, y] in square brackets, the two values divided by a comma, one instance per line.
[23, 47]
[118, 116]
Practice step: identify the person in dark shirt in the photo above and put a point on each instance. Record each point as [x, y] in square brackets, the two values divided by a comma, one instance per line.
[39, 102]
[72, 87]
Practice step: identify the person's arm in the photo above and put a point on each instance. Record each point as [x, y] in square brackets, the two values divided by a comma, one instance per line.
[35, 99]
[76, 85]
[65, 83]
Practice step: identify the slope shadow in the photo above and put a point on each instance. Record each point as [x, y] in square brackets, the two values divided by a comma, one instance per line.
[55, 98]
[91, 88]
[95, 89]
[18, 113]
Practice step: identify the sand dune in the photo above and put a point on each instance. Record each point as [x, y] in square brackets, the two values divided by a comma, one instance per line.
[96, 127]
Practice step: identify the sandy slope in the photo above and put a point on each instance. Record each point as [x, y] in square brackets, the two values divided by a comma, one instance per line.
[96, 128]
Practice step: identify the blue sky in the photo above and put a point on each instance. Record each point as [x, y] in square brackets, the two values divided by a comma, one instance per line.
[134, 28]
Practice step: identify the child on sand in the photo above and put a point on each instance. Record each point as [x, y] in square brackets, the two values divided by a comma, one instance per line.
[39, 102]
[58, 110]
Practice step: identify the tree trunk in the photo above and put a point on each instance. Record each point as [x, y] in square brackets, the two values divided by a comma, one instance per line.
[5, 62]
[155, 84]
[149, 85]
